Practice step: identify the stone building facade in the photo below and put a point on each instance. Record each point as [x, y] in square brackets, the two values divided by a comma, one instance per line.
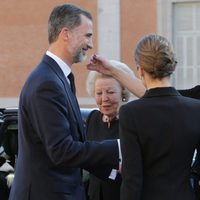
[118, 24]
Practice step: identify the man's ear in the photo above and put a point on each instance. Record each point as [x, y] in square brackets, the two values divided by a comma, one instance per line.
[65, 33]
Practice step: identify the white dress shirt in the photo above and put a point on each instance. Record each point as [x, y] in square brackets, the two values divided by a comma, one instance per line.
[63, 66]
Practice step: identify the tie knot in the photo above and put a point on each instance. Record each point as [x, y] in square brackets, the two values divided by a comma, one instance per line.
[72, 84]
[71, 77]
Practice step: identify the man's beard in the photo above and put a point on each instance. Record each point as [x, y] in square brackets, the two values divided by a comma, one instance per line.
[79, 57]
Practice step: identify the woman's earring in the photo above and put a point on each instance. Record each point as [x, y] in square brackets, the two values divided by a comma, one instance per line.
[123, 99]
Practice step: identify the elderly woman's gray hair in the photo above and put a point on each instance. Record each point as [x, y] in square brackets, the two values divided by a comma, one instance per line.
[93, 76]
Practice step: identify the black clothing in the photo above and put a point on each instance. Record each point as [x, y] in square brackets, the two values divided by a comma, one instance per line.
[98, 130]
[158, 135]
[192, 92]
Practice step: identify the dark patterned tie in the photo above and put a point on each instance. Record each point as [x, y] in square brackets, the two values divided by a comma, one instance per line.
[72, 84]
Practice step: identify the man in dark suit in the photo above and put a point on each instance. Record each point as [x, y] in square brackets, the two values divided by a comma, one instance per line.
[52, 150]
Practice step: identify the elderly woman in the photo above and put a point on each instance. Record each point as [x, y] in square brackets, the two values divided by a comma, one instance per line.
[103, 124]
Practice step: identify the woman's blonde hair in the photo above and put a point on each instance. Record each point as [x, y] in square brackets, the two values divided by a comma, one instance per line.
[155, 55]
[93, 76]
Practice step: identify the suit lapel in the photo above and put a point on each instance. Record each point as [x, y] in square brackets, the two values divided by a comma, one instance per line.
[72, 98]
[75, 107]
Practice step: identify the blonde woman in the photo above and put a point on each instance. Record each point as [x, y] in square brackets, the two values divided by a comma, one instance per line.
[103, 124]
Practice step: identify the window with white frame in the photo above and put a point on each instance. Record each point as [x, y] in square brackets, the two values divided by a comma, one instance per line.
[186, 41]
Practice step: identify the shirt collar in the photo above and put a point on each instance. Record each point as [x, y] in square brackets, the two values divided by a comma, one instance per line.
[64, 67]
